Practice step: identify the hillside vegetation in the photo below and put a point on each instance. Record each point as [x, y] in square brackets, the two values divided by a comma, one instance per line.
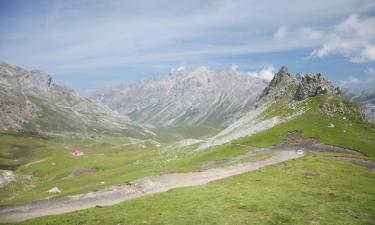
[43, 163]
[317, 189]
[329, 119]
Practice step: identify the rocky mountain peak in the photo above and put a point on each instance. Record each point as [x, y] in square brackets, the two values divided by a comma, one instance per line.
[311, 85]
[283, 77]
[31, 102]
[296, 87]
[16, 76]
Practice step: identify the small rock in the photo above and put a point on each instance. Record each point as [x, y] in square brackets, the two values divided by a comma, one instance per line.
[53, 164]
[54, 190]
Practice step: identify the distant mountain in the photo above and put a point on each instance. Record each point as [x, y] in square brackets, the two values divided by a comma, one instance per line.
[186, 96]
[366, 96]
[282, 100]
[366, 99]
[30, 101]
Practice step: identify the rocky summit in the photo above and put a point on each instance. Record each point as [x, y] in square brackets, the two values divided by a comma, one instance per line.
[311, 85]
[297, 87]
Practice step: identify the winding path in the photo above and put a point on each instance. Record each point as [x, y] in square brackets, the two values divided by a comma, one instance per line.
[136, 188]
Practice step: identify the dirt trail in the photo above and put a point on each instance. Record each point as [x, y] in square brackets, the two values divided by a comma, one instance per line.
[136, 188]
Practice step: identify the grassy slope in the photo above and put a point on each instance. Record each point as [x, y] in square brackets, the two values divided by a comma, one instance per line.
[337, 193]
[50, 163]
[351, 132]
[174, 133]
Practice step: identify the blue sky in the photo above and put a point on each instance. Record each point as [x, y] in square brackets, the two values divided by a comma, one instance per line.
[89, 44]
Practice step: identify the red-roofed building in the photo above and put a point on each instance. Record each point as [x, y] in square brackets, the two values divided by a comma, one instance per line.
[77, 152]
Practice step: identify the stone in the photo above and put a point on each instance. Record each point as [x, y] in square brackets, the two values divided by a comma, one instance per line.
[54, 190]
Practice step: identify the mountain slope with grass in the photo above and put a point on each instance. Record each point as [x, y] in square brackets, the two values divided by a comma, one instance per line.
[320, 188]
[31, 102]
[281, 101]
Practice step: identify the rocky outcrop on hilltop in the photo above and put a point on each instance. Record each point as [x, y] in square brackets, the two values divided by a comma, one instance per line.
[186, 96]
[30, 101]
[311, 85]
[296, 87]
[280, 85]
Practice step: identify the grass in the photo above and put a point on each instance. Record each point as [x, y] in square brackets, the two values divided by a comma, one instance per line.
[174, 133]
[350, 130]
[316, 189]
[50, 164]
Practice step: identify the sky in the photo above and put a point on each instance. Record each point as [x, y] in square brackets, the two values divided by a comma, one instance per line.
[89, 44]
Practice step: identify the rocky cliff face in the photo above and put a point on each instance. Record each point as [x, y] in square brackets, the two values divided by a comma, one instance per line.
[296, 87]
[32, 101]
[186, 96]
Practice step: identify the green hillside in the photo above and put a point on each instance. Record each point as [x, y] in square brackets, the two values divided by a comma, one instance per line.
[320, 188]
[317, 189]
[350, 129]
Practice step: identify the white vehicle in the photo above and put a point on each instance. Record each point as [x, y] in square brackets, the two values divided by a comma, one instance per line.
[299, 152]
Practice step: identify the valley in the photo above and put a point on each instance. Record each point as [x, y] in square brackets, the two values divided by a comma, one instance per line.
[270, 163]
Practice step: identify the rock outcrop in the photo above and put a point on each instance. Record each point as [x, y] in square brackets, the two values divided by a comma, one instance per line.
[311, 85]
[296, 87]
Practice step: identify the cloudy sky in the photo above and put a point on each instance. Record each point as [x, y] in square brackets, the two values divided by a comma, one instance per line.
[89, 44]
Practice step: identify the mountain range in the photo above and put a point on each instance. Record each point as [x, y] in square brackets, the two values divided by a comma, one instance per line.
[132, 139]
[30, 101]
[186, 96]
[236, 104]
[366, 99]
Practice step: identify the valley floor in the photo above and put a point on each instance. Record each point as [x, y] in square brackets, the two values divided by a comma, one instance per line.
[320, 188]
[140, 187]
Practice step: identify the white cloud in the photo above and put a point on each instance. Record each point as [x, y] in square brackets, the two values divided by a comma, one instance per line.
[280, 33]
[349, 81]
[266, 73]
[354, 38]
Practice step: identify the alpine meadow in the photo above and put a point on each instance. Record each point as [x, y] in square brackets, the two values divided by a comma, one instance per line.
[187, 112]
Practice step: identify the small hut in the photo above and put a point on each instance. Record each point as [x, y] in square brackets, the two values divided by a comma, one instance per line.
[77, 152]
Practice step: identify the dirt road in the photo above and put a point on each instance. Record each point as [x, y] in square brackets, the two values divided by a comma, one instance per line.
[136, 188]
